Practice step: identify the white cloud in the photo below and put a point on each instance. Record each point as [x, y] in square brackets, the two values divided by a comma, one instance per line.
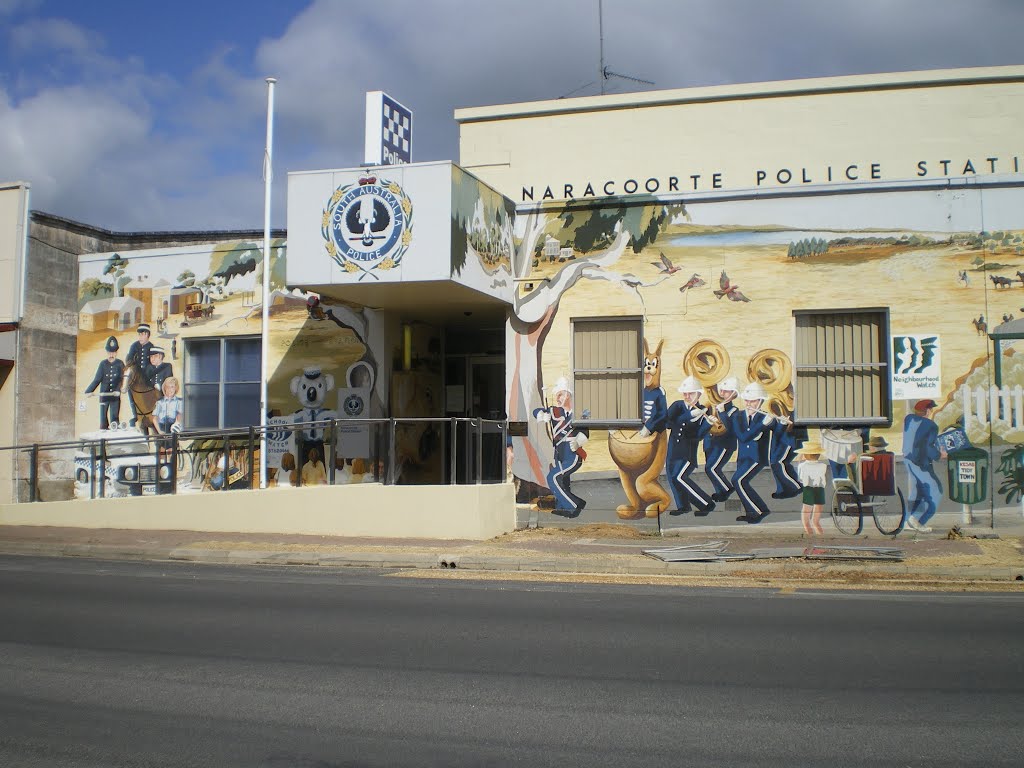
[105, 140]
[43, 36]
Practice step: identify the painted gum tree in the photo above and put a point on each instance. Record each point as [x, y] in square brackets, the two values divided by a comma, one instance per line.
[602, 236]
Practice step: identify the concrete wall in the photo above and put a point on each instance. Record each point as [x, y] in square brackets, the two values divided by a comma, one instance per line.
[436, 512]
[47, 344]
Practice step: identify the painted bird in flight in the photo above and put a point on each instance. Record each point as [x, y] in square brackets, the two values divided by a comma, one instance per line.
[694, 282]
[665, 265]
[728, 289]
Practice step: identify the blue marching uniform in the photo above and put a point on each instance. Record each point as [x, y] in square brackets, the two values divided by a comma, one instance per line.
[781, 455]
[753, 438]
[687, 428]
[565, 461]
[718, 449]
[655, 409]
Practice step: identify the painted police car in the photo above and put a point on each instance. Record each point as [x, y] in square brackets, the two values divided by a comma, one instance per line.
[130, 469]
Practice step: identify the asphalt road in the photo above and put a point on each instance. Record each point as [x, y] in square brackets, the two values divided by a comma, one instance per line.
[106, 664]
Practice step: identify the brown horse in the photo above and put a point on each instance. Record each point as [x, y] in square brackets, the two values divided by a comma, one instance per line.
[144, 396]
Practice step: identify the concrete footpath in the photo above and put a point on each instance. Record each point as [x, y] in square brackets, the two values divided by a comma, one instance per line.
[969, 557]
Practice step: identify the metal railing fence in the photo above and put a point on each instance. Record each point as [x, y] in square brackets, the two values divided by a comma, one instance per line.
[425, 451]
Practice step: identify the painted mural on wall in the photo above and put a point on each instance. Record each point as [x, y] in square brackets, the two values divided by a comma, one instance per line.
[326, 360]
[482, 228]
[716, 297]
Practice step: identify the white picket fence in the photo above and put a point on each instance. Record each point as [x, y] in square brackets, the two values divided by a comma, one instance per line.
[998, 408]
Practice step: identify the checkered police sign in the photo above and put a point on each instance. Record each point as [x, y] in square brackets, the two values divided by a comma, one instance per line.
[388, 130]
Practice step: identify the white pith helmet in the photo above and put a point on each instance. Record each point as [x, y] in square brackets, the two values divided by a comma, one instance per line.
[690, 384]
[729, 385]
[562, 385]
[754, 391]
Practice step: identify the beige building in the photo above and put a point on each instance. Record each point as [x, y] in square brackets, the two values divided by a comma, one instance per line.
[848, 243]
[793, 135]
[13, 236]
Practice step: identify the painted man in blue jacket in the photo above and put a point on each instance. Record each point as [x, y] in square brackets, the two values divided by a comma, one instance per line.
[719, 448]
[920, 449]
[568, 441]
[752, 427]
[688, 424]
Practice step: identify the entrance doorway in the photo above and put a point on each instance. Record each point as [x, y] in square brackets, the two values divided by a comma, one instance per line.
[475, 388]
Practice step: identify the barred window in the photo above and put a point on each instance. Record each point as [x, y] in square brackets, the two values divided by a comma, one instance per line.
[842, 368]
[607, 369]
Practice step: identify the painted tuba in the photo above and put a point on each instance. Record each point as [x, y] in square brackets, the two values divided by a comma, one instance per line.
[774, 371]
[708, 362]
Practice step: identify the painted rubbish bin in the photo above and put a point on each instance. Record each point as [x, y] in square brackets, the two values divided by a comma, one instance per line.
[968, 476]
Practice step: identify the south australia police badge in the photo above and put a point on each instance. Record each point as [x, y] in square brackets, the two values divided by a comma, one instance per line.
[367, 226]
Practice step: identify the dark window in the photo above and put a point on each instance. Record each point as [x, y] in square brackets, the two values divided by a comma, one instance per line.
[222, 382]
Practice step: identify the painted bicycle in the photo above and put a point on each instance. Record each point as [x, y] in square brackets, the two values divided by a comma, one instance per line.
[870, 488]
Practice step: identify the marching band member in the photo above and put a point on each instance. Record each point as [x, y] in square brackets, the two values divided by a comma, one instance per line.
[568, 441]
[752, 428]
[718, 449]
[688, 423]
[782, 454]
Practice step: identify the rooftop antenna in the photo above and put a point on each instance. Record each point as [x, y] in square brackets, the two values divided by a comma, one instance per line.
[603, 73]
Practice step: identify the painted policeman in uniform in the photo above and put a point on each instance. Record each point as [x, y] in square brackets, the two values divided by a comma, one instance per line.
[109, 378]
[719, 448]
[752, 428]
[568, 441]
[688, 424]
[157, 370]
[138, 355]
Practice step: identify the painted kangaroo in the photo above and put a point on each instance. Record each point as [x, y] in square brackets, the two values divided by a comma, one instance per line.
[639, 457]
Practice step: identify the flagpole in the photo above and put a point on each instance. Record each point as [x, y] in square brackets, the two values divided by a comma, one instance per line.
[268, 177]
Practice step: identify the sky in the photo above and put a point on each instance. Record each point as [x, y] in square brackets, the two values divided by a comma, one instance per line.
[130, 115]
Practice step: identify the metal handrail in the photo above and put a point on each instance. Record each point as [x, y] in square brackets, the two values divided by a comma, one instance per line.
[99, 456]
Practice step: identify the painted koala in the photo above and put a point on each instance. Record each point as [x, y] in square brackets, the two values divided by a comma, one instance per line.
[311, 388]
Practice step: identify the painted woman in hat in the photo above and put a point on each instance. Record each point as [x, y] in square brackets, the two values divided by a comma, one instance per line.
[109, 378]
[877, 469]
[156, 371]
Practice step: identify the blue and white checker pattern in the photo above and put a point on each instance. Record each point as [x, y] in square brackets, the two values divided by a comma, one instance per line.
[397, 130]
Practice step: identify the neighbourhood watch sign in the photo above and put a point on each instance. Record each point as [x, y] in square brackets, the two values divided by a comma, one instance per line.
[916, 371]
